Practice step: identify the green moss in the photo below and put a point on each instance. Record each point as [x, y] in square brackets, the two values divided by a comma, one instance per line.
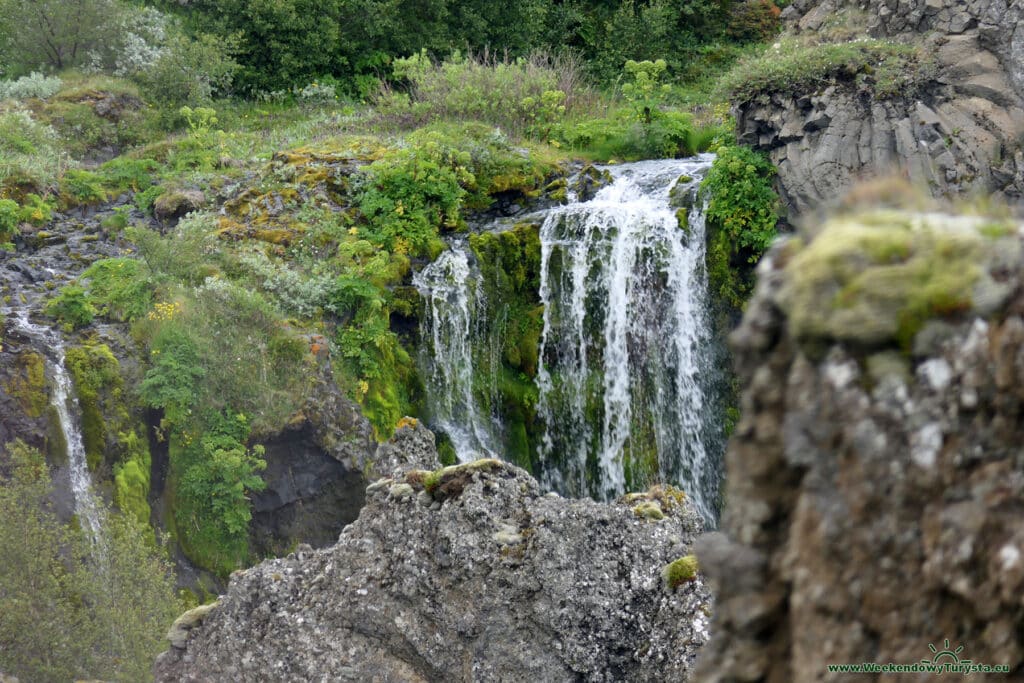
[680, 571]
[132, 477]
[876, 279]
[56, 444]
[98, 384]
[28, 385]
[649, 510]
[449, 482]
[131, 487]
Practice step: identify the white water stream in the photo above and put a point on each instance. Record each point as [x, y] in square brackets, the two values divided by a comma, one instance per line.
[65, 402]
[625, 358]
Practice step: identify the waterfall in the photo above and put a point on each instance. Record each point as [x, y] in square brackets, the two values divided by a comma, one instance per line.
[626, 369]
[625, 354]
[452, 295]
[66, 405]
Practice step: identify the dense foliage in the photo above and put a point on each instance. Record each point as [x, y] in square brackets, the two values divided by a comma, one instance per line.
[67, 613]
[742, 214]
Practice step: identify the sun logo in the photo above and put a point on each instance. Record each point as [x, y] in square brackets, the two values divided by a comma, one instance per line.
[950, 656]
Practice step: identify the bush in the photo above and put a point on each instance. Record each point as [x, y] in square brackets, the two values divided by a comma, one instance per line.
[62, 617]
[888, 69]
[71, 307]
[213, 511]
[189, 71]
[742, 214]
[34, 85]
[754, 21]
[119, 288]
[525, 96]
[30, 158]
[8, 220]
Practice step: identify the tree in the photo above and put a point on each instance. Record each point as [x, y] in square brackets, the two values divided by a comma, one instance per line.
[57, 33]
[67, 611]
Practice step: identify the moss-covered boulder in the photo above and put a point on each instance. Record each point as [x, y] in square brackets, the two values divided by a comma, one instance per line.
[874, 279]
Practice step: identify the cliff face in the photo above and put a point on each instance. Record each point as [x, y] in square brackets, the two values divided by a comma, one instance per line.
[875, 487]
[959, 134]
[468, 573]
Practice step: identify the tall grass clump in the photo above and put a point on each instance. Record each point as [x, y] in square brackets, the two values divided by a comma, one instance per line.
[30, 155]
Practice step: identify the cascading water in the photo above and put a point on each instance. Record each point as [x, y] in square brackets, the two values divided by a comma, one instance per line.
[626, 374]
[452, 297]
[66, 405]
[625, 354]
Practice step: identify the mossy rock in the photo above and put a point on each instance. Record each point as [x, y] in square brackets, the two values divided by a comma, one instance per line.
[681, 571]
[449, 482]
[873, 280]
[175, 204]
[28, 384]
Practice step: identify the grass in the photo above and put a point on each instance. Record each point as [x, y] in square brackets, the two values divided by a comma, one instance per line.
[885, 68]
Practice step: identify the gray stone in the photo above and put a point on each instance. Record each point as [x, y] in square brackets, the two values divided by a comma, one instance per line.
[499, 583]
[884, 514]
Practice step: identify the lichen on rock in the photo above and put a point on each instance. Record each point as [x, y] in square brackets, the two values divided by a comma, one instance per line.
[872, 493]
[875, 278]
[464, 573]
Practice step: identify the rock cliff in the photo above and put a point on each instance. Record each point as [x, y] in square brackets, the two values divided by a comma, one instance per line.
[875, 488]
[465, 573]
[960, 132]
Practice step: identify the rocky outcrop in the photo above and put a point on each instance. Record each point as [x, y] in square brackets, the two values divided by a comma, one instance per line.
[316, 473]
[959, 134]
[468, 573]
[875, 489]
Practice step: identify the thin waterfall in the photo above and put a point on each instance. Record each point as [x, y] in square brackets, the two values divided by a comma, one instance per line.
[450, 326]
[65, 403]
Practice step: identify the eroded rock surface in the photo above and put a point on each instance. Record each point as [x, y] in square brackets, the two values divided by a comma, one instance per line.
[959, 134]
[875, 484]
[465, 574]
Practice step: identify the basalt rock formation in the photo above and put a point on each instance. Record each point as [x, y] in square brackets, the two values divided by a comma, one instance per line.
[959, 133]
[464, 573]
[875, 486]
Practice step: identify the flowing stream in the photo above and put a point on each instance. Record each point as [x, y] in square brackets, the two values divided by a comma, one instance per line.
[66, 404]
[626, 377]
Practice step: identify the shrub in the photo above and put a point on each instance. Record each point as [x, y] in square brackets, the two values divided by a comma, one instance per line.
[30, 157]
[742, 214]
[95, 621]
[217, 474]
[34, 85]
[524, 96]
[82, 187]
[8, 220]
[71, 307]
[119, 288]
[753, 21]
[189, 70]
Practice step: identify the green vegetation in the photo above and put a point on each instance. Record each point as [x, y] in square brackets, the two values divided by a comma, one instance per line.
[875, 279]
[294, 163]
[213, 475]
[62, 617]
[741, 215]
[680, 571]
[888, 69]
[71, 307]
